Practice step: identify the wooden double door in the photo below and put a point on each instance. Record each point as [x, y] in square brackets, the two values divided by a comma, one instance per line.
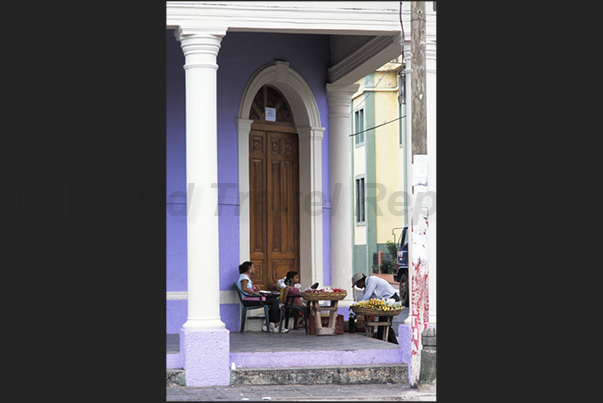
[274, 202]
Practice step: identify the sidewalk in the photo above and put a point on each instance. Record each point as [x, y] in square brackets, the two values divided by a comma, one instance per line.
[370, 392]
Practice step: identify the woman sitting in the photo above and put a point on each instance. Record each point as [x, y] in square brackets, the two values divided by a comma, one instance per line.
[246, 269]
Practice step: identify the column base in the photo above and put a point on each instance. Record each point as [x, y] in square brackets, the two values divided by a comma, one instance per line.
[199, 324]
[404, 341]
[206, 356]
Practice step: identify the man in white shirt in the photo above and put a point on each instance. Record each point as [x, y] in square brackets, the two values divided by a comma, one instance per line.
[375, 287]
[378, 288]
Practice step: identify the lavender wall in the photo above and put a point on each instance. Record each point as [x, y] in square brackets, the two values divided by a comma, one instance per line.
[241, 54]
[176, 310]
[175, 116]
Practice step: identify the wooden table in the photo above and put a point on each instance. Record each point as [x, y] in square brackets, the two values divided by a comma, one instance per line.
[315, 310]
[368, 326]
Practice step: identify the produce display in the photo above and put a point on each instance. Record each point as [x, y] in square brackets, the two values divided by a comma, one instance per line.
[379, 304]
[326, 290]
[324, 294]
[378, 307]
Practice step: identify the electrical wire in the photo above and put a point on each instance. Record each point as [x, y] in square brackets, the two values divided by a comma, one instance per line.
[374, 127]
[387, 71]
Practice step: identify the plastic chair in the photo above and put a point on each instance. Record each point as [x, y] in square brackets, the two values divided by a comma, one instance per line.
[244, 308]
[286, 308]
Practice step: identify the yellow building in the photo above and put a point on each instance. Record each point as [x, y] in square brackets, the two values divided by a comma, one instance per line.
[378, 166]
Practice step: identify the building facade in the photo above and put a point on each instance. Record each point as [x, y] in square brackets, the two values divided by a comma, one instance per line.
[258, 154]
[378, 164]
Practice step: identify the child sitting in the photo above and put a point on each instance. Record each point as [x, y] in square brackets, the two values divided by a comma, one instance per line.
[292, 287]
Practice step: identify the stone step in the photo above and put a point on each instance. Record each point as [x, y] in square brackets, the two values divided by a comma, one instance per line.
[343, 375]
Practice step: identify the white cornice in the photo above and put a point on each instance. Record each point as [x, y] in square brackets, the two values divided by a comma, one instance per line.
[344, 18]
[366, 59]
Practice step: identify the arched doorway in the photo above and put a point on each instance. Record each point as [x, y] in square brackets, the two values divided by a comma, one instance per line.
[307, 123]
[273, 187]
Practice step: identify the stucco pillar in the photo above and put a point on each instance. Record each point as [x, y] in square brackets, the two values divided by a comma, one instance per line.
[311, 252]
[200, 49]
[339, 98]
[204, 339]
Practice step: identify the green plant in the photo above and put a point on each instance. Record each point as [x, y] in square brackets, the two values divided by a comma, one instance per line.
[388, 267]
[392, 249]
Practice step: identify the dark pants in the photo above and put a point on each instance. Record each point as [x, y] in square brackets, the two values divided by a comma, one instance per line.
[391, 336]
[275, 311]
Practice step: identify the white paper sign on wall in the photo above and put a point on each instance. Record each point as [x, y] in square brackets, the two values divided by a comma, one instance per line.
[270, 115]
[419, 170]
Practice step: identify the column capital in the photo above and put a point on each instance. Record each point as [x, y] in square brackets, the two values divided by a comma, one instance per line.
[342, 88]
[339, 98]
[196, 41]
[198, 32]
[337, 93]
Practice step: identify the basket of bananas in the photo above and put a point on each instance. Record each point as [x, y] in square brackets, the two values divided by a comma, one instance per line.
[377, 307]
[333, 294]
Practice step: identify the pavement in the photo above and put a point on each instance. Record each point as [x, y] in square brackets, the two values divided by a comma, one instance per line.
[328, 392]
[369, 392]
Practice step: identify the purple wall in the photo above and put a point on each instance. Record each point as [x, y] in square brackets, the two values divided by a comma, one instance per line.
[175, 167]
[175, 116]
[241, 54]
[176, 310]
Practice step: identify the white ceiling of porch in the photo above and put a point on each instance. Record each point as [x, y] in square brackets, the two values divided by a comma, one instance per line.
[364, 35]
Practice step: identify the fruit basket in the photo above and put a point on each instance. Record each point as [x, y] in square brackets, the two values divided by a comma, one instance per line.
[375, 312]
[323, 295]
[375, 307]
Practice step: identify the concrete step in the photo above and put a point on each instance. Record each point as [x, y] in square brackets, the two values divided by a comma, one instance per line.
[343, 375]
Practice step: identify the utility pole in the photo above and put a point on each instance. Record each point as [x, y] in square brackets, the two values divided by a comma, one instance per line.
[418, 270]
[419, 122]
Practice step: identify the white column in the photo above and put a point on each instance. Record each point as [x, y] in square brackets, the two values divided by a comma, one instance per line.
[339, 99]
[311, 197]
[200, 47]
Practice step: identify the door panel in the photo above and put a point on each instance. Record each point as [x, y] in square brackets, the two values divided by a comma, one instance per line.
[274, 204]
[280, 267]
[257, 206]
[288, 220]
